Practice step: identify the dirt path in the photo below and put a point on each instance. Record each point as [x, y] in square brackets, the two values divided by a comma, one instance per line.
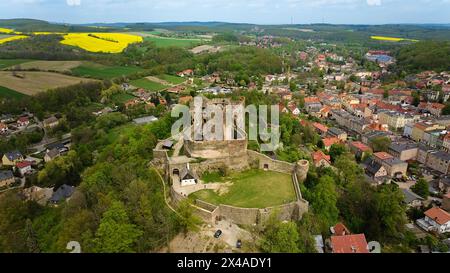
[165, 191]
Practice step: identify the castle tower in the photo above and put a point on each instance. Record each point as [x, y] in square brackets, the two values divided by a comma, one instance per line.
[301, 169]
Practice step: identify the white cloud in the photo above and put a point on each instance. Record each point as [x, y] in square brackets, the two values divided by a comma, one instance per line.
[73, 2]
[374, 2]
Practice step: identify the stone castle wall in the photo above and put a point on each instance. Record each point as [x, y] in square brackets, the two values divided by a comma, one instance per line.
[216, 149]
[250, 216]
[270, 164]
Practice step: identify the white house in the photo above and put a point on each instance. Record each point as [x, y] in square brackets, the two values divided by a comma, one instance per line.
[436, 219]
[187, 177]
[23, 121]
[294, 109]
[24, 167]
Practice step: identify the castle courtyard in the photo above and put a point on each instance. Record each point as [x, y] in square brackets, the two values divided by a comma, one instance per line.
[249, 189]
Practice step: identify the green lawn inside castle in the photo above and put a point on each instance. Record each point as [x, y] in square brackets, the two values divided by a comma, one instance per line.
[248, 189]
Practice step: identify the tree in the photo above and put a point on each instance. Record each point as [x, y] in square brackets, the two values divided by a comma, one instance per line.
[189, 221]
[292, 86]
[421, 188]
[62, 170]
[13, 217]
[380, 144]
[416, 98]
[280, 237]
[115, 233]
[308, 225]
[390, 211]
[336, 150]
[32, 242]
[323, 200]
[348, 170]
[446, 110]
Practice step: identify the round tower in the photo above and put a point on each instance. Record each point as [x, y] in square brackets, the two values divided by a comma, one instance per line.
[301, 169]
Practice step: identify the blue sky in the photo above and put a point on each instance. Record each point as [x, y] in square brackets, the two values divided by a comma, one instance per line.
[245, 11]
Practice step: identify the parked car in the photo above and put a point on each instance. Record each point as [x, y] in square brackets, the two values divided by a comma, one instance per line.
[217, 234]
[239, 244]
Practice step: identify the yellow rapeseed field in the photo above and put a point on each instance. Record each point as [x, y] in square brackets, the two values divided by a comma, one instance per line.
[391, 39]
[6, 30]
[12, 38]
[101, 42]
[47, 33]
[9, 31]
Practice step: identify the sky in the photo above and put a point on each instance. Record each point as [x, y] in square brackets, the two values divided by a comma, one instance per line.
[236, 11]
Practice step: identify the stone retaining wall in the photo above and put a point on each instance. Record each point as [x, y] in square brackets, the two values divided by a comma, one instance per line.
[267, 163]
[205, 205]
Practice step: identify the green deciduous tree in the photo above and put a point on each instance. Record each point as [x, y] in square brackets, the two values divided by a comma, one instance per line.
[115, 233]
[188, 220]
[280, 237]
[421, 188]
[380, 144]
[323, 200]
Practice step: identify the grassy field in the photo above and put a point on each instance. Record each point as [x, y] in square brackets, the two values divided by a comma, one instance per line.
[122, 98]
[168, 42]
[31, 83]
[149, 85]
[59, 66]
[102, 72]
[8, 93]
[251, 189]
[172, 79]
[8, 63]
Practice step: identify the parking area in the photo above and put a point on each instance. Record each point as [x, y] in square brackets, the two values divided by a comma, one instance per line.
[204, 241]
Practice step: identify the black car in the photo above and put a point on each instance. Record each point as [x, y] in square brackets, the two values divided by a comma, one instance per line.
[217, 234]
[239, 244]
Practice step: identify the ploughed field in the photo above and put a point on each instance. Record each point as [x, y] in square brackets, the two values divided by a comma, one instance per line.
[31, 83]
[76, 68]
[249, 189]
[58, 66]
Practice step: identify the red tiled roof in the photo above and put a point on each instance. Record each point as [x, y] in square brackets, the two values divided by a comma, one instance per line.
[185, 99]
[312, 99]
[320, 127]
[421, 126]
[437, 106]
[387, 106]
[377, 127]
[23, 164]
[340, 230]
[325, 109]
[383, 156]
[360, 146]
[439, 215]
[319, 155]
[23, 119]
[304, 122]
[329, 141]
[349, 244]
[293, 107]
